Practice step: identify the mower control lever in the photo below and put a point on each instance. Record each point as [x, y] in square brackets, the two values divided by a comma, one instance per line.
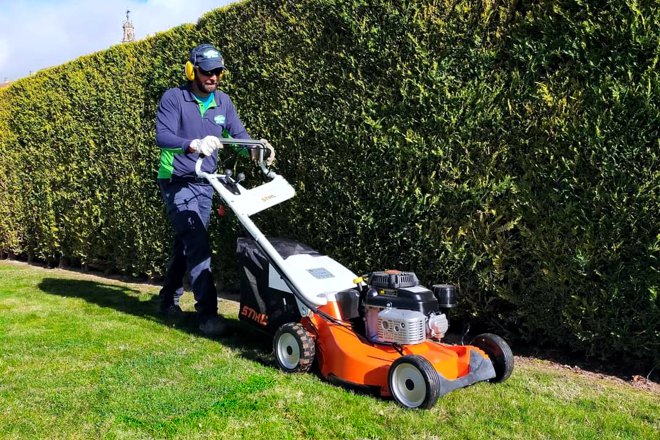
[230, 184]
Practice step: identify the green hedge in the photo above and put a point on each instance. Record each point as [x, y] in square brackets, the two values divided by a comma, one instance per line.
[510, 147]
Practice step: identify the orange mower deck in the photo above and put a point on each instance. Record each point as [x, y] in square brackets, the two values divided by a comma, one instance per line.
[343, 354]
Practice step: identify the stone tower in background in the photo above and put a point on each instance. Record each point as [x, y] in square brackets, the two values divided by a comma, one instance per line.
[129, 31]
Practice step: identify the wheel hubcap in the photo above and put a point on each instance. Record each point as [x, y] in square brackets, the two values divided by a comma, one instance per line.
[408, 385]
[288, 351]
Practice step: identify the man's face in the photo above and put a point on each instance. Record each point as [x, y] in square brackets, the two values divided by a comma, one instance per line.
[207, 81]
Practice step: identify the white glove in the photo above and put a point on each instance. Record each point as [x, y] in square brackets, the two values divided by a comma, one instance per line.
[271, 157]
[194, 145]
[206, 146]
[209, 144]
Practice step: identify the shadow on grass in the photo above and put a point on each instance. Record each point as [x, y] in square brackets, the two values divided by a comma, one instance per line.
[121, 298]
[250, 344]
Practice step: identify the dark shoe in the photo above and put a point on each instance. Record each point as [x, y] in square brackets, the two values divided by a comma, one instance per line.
[172, 311]
[214, 326]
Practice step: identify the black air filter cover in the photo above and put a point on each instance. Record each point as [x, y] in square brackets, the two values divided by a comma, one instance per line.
[393, 279]
[416, 298]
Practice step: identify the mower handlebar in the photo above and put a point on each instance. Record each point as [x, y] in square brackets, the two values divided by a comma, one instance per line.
[249, 144]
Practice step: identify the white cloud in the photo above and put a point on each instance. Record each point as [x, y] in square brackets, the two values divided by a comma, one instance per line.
[35, 34]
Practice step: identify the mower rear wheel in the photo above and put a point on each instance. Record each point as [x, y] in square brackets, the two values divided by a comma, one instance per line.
[499, 352]
[294, 348]
[413, 382]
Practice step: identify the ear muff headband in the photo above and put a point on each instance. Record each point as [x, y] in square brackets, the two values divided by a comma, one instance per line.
[190, 71]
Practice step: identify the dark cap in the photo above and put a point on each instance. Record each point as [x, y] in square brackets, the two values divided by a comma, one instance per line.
[207, 57]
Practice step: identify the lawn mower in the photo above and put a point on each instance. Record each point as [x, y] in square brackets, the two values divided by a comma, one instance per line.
[382, 331]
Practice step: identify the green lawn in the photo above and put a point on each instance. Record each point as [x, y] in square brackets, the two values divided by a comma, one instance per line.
[87, 357]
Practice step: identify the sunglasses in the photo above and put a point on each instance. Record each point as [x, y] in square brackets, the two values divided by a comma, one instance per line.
[210, 73]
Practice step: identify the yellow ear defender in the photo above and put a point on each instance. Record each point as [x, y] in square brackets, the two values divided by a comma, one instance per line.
[190, 71]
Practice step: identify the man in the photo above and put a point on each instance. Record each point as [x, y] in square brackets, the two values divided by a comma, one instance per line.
[189, 123]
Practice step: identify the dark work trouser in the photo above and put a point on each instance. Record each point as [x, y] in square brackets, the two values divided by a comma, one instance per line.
[189, 210]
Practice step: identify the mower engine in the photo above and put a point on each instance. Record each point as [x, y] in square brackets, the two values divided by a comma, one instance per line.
[398, 310]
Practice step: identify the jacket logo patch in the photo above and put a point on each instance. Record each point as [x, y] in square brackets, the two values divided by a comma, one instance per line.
[220, 119]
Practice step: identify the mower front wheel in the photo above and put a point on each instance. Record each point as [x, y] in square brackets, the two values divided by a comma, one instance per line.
[499, 352]
[413, 382]
[294, 348]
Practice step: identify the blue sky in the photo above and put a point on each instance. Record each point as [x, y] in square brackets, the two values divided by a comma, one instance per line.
[35, 34]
